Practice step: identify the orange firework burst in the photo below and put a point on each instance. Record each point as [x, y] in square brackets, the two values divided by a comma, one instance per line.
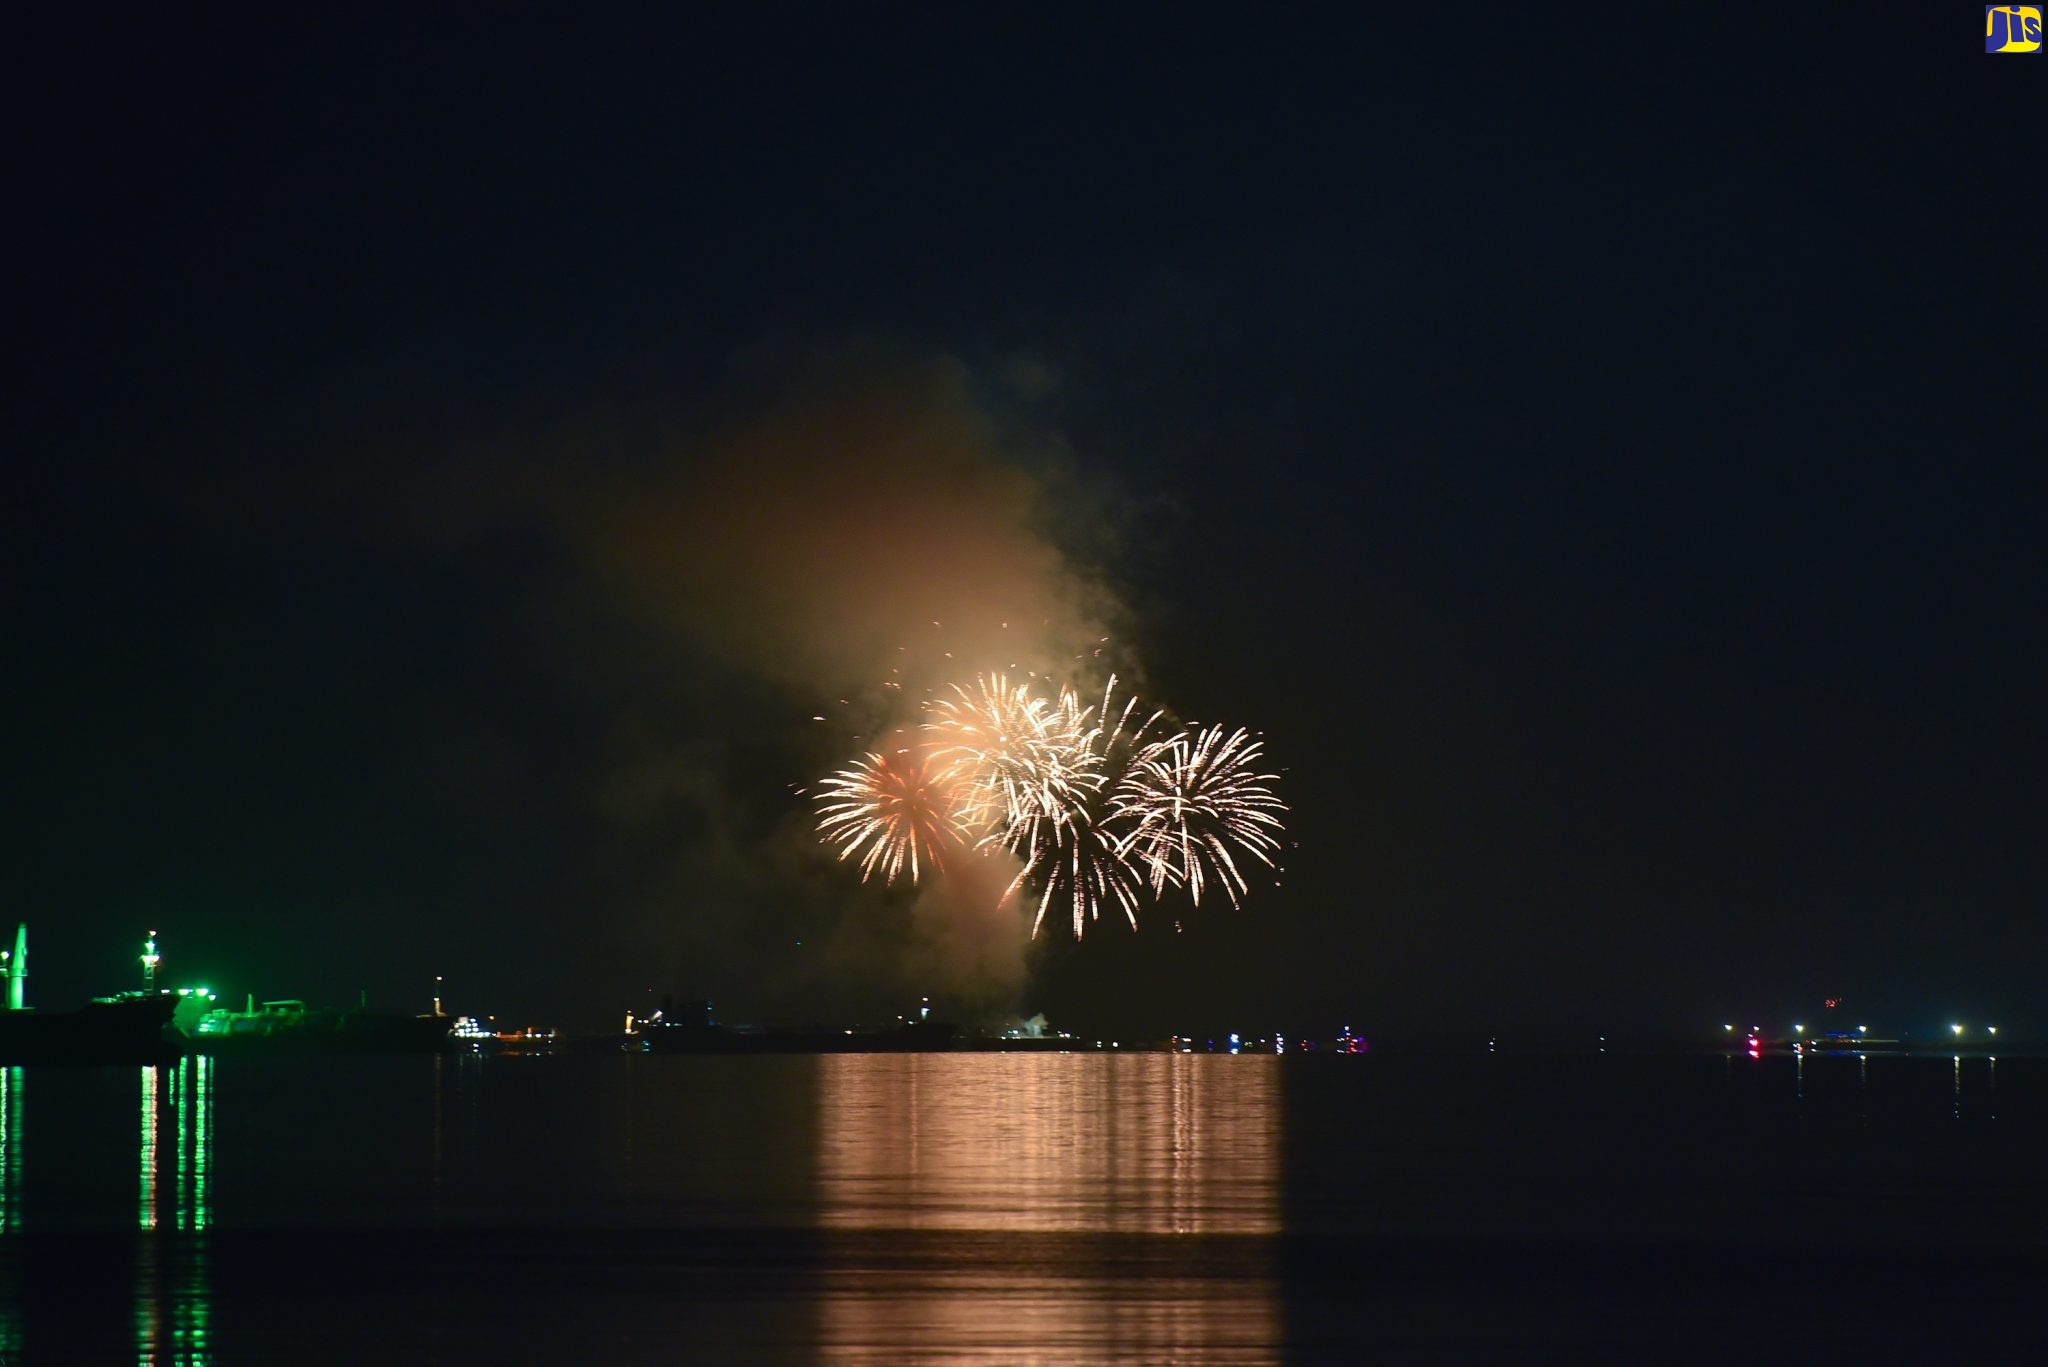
[892, 812]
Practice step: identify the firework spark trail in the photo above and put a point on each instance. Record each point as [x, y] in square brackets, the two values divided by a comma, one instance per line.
[1186, 802]
[1078, 860]
[1078, 867]
[1094, 801]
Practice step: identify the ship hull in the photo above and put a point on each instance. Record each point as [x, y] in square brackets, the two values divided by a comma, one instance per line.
[337, 1032]
[119, 1030]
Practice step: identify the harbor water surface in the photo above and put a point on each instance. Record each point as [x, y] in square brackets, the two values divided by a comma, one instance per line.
[1022, 1208]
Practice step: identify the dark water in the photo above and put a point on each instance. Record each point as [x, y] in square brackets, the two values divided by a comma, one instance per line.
[984, 1209]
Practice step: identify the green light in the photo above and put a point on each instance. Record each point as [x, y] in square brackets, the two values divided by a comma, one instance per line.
[181, 1085]
[202, 1142]
[10, 1150]
[146, 1205]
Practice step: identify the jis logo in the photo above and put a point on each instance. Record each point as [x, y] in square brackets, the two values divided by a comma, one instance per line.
[2012, 28]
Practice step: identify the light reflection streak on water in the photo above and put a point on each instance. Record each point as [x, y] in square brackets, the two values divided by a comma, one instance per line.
[195, 1144]
[173, 1291]
[12, 1118]
[178, 1096]
[146, 1209]
[1049, 1209]
[10, 1190]
[981, 1317]
[181, 1095]
[1119, 1143]
[12, 1115]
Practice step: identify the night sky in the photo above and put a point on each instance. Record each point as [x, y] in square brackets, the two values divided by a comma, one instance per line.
[1601, 454]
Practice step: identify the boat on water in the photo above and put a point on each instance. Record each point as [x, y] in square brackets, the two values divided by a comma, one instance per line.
[1844, 1042]
[661, 1037]
[289, 1026]
[129, 1027]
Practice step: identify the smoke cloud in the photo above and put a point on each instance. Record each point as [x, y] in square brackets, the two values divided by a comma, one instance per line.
[872, 528]
[836, 555]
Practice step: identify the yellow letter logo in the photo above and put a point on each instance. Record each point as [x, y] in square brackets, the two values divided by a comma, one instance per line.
[2012, 28]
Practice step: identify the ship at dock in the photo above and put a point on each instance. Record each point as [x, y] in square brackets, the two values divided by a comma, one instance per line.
[289, 1026]
[128, 1027]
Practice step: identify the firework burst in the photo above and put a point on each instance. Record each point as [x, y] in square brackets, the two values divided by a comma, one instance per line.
[892, 812]
[1018, 762]
[1096, 800]
[1191, 805]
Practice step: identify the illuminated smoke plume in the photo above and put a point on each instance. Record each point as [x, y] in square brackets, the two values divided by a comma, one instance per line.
[870, 528]
[871, 547]
[871, 538]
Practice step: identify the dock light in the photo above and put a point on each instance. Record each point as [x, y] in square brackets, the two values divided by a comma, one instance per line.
[1862, 1029]
[1798, 1029]
[1957, 1028]
[1992, 1028]
[1728, 1027]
